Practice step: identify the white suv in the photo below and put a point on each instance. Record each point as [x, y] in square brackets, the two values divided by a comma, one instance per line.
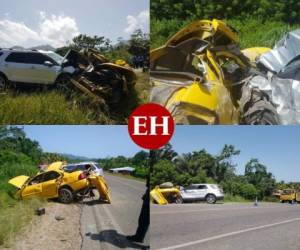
[202, 192]
[32, 66]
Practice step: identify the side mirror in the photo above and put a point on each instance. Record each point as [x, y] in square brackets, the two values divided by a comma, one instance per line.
[48, 63]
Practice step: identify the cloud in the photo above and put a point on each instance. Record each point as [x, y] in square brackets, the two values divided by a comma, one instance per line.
[141, 21]
[53, 30]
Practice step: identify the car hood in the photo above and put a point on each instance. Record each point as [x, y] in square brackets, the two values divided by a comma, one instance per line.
[205, 29]
[56, 165]
[18, 181]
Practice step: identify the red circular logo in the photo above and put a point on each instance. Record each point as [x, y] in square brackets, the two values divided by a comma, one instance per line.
[151, 126]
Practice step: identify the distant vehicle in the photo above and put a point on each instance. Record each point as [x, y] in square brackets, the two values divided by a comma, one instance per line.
[82, 166]
[290, 195]
[202, 192]
[33, 67]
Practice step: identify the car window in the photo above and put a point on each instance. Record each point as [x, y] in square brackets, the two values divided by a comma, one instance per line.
[35, 58]
[27, 57]
[36, 180]
[69, 168]
[73, 168]
[202, 187]
[1, 53]
[50, 176]
[15, 57]
[191, 187]
[54, 57]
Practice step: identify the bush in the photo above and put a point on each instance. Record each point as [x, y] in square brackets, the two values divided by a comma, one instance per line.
[234, 198]
[253, 32]
[245, 190]
[141, 172]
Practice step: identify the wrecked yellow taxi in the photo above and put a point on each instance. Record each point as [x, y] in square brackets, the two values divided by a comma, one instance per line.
[201, 76]
[57, 182]
[165, 193]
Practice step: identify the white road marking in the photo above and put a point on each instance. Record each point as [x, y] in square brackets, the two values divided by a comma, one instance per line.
[229, 234]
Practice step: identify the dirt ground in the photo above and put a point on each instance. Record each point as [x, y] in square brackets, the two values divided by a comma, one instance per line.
[46, 232]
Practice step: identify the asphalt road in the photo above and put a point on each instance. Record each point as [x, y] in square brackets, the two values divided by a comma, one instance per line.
[225, 226]
[104, 226]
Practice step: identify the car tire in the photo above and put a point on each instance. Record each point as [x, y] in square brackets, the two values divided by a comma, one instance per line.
[63, 83]
[179, 200]
[3, 82]
[211, 199]
[282, 201]
[65, 195]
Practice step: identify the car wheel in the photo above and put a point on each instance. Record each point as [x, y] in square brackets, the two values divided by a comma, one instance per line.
[65, 195]
[63, 83]
[282, 201]
[179, 200]
[211, 199]
[3, 83]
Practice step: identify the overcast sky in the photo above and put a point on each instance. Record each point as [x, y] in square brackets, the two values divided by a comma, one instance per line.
[35, 22]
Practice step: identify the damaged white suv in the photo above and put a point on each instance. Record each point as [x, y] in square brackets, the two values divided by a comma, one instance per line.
[33, 67]
[202, 192]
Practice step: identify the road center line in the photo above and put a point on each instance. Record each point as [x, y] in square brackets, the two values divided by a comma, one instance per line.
[229, 234]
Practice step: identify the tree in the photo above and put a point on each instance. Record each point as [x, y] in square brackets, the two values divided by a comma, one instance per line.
[163, 171]
[139, 44]
[256, 174]
[141, 158]
[224, 165]
[88, 42]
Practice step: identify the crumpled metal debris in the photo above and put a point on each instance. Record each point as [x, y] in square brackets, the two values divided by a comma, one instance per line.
[255, 104]
[100, 79]
[283, 52]
[282, 81]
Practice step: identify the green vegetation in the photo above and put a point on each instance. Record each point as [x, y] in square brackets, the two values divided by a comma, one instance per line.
[48, 106]
[202, 167]
[53, 107]
[18, 156]
[259, 22]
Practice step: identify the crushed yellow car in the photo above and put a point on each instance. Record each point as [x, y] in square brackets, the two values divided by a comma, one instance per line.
[54, 182]
[165, 193]
[104, 81]
[201, 76]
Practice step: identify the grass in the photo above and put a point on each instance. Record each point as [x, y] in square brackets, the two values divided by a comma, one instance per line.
[14, 218]
[252, 32]
[234, 198]
[14, 214]
[52, 107]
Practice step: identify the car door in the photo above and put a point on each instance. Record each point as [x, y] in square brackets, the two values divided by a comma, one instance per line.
[33, 188]
[50, 184]
[190, 192]
[17, 67]
[201, 192]
[42, 73]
